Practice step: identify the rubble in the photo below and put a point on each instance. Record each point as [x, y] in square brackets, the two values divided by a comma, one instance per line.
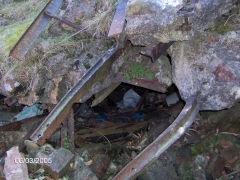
[170, 59]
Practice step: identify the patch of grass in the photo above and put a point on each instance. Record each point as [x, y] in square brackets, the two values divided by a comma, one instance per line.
[137, 70]
[10, 34]
[19, 16]
[21, 10]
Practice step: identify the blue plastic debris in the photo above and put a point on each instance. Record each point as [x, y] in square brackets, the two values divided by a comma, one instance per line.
[137, 116]
[29, 112]
[100, 118]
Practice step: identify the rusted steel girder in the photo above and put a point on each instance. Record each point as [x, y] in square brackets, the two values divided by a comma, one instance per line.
[24, 43]
[163, 142]
[59, 113]
[119, 19]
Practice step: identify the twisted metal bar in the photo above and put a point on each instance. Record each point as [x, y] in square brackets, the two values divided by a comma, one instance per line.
[163, 142]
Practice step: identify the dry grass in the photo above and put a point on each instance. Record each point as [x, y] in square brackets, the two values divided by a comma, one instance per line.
[21, 10]
[101, 22]
[25, 11]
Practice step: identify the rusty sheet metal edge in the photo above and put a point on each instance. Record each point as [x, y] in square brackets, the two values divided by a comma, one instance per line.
[162, 143]
[119, 19]
[23, 44]
[154, 52]
[61, 110]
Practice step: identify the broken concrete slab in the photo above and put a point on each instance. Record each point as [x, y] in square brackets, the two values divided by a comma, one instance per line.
[15, 167]
[60, 162]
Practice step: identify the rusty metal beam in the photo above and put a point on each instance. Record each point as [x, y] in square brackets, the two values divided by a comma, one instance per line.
[61, 110]
[155, 51]
[163, 142]
[152, 84]
[119, 19]
[69, 23]
[23, 44]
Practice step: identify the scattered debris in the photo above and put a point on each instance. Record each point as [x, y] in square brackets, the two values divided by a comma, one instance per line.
[29, 112]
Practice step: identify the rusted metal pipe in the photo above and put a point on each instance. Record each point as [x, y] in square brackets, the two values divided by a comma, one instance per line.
[163, 142]
[61, 110]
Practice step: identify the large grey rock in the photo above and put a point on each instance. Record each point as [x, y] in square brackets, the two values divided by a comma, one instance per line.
[151, 21]
[208, 64]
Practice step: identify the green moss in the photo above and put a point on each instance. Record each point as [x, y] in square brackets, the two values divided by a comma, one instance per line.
[186, 171]
[220, 26]
[206, 145]
[137, 70]
[76, 20]
[86, 65]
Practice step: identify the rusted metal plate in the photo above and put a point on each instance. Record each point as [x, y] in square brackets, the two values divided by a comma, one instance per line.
[118, 23]
[138, 70]
[155, 51]
[22, 46]
[61, 110]
[163, 142]
[152, 84]
[16, 126]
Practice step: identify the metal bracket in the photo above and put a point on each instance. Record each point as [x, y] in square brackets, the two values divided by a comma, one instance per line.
[59, 18]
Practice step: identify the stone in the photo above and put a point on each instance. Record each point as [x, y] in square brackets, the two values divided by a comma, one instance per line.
[9, 85]
[81, 171]
[160, 170]
[32, 148]
[60, 162]
[208, 64]
[15, 167]
[100, 164]
[151, 21]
